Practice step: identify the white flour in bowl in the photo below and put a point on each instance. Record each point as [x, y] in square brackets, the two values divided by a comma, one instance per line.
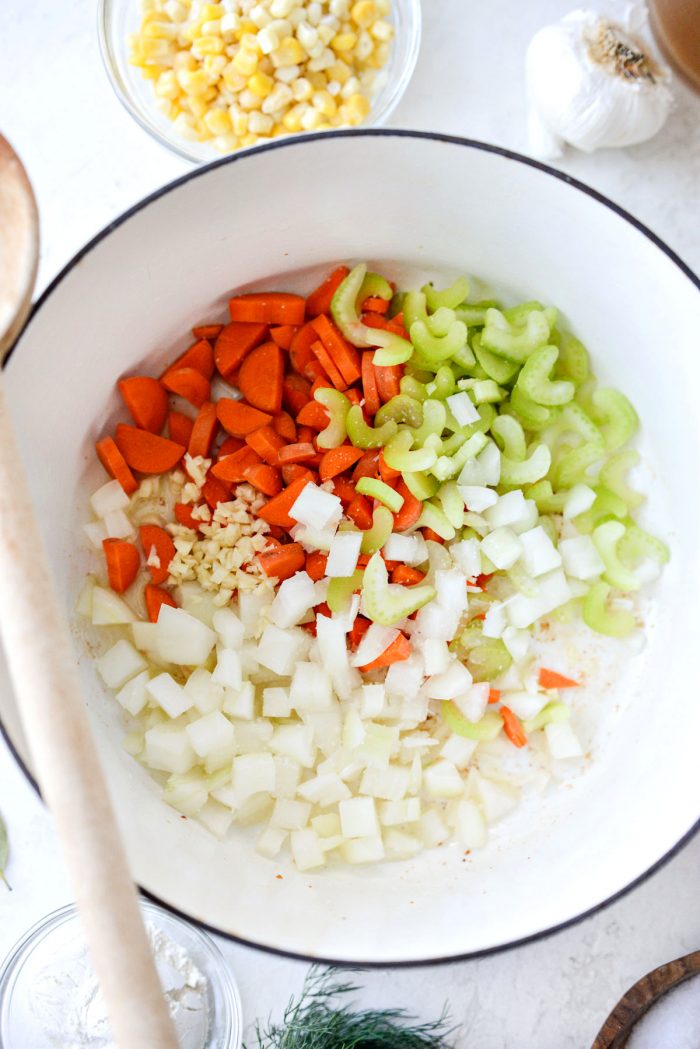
[68, 1003]
[673, 1023]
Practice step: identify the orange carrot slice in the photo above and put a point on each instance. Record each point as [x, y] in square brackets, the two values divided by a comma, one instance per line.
[267, 479]
[115, 464]
[283, 335]
[122, 563]
[234, 343]
[551, 679]
[188, 383]
[316, 562]
[285, 426]
[337, 460]
[146, 400]
[215, 491]
[283, 562]
[146, 452]
[410, 511]
[295, 393]
[513, 728]
[314, 415]
[207, 331]
[240, 419]
[267, 443]
[388, 381]
[360, 512]
[398, 650]
[203, 431]
[291, 472]
[229, 446]
[153, 537]
[407, 576]
[276, 512]
[319, 301]
[199, 356]
[296, 453]
[329, 368]
[156, 597]
[179, 427]
[232, 467]
[260, 377]
[343, 354]
[369, 384]
[268, 307]
[183, 516]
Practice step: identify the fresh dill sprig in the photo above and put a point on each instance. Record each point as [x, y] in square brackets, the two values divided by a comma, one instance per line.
[320, 1019]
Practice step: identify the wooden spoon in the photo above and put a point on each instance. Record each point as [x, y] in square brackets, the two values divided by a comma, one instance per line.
[42, 666]
[616, 1031]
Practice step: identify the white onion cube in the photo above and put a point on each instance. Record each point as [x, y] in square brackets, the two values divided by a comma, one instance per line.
[436, 656]
[168, 749]
[316, 508]
[470, 828]
[294, 741]
[311, 688]
[394, 813]
[289, 814]
[229, 627]
[228, 669]
[411, 549]
[562, 740]
[478, 498]
[240, 703]
[120, 663]
[183, 639]
[343, 555]
[118, 525]
[502, 547]
[463, 408]
[307, 852]
[443, 780]
[553, 591]
[253, 773]
[279, 650]
[539, 552]
[206, 696]
[109, 498]
[580, 557]
[324, 790]
[363, 850]
[483, 470]
[474, 701]
[108, 609]
[452, 682]
[211, 734]
[358, 818]
[133, 696]
[579, 499]
[467, 555]
[276, 703]
[295, 596]
[170, 696]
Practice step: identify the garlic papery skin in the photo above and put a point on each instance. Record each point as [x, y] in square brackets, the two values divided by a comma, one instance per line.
[592, 85]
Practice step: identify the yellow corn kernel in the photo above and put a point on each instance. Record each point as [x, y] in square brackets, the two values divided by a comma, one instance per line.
[248, 27]
[261, 84]
[208, 12]
[363, 13]
[289, 53]
[218, 121]
[317, 80]
[357, 107]
[151, 72]
[310, 118]
[233, 80]
[159, 31]
[168, 108]
[225, 143]
[214, 65]
[344, 42]
[197, 106]
[208, 45]
[324, 103]
[184, 60]
[191, 31]
[250, 41]
[193, 82]
[302, 90]
[380, 57]
[248, 100]
[249, 140]
[167, 86]
[245, 62]
[151, 49]
[278, 129]
[339, 71]
[239, 120]
[382, 31]
[292, 118]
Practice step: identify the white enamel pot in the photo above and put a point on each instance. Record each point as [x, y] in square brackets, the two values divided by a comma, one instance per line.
[413, 205]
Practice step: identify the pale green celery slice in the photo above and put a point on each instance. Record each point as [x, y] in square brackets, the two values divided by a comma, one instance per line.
[487, 728]
[535, 383]
[606, 538]
[549, 715]
[614, 476]
[374, 286]
[448, 466]
[388, 603]
[509, 436]
[414, 309]
[341, 589]
[451, 297]
[452, 444]
[487, 391]
[399, 456]
[402, 409]
[337, 405]
[440, 322]
[434, 348]
[480, 525]
[529, 470]
[382, 526]
[517, 344]
[452, 504]
[567, 613]
[421, 485]
[584, 395]
[434, 418]
[572, 467]
[518, 314]
[466, 360]
[548, 502]
[574, 417]
[474, 313]
[606, 506]
[393, 349]
[443, 385]
[497, 368]
[433, 517]
[636, 544]
[604, 620]
[377, 489]
[344, 307]
[619, 420]
[364, 436]
[550, 528]
[573, 360]
[486, 657]
[412, 388]
[534, 416]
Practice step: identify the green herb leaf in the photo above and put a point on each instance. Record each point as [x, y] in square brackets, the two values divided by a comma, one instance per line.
[4, 852]
[318, 1020]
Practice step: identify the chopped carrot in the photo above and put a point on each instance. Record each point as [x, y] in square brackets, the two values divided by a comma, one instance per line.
[300, 350]
[387, 473]
[373, 304]
[283, 335]
[343, 488]
[314, 371]
[397, 326]
[215, 491]
[295, 393]
[146, 452]
[229, 446]
[231, 468]
[338, 460]
[513, 728]
[406, 575]
[115, 464]
[260, 377]
[183, 516]
[316, 564]
[551, 679]
[267, 443]
[207, 331]
[234, 343]
[293, 471]
[122, 563]
[374, 319]
[285, 426]
[319, 301]
[367, 466]
[203, 431]
[306, 435]
[398, 650]
[391, 566]
[394, 324]
[156, 597]
[284, 562]
[482, 579]
[388, 381]
[199, 356]
[322, 383]
[155, 538]
[179, 427]
[328, 365]
[276, 511]
[494, 695]
[314, 415]
[240, 419]
[265, 478]
[428, 533]
[296, 453]
[268, 307]
[411, 510]
[359, 629]
[354, 396]
[343, 354]
[188, 383]
[360, 512]
[369, 384]
[146, 400]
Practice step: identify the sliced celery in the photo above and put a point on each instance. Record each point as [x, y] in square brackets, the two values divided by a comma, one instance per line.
[606, 538]
[448, 466]
[374, 286]
[547, 523]
[443, 385]
[451, 297]
[547, 501]
[341, 589]
[393, 349]
[550, 714]
[511, 341]
[636, 544]
[337, 405]
[606, 506]
[452, 504]
[573, 360]
[465, 359]
[509, 436]
[619, 420]
[414, 309]
[412, 388]
[486, 657]
[474, 313]
[435, 518]
[402, 409]
[572, 467]
[487, 728]
[518, 314]
[528, 470]
[344, 307]
[382, 526]
[574, 417]
[495, 367]
[377, 489]
[604, 620]
[364, 436]
[438, 348]
[399, 456]
[535, 383]
[420, 484]
[534, 416]
[388, 603]
[434, 419]
[487, 391]
[614, 473]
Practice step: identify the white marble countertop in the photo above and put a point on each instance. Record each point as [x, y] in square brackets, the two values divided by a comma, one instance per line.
[89, 162]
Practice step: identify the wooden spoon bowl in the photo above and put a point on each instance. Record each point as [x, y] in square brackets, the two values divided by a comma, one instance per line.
[617, 1029]
[19, 246]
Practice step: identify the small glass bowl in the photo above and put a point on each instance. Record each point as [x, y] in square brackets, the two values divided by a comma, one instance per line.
[40, 948]
[116, 19]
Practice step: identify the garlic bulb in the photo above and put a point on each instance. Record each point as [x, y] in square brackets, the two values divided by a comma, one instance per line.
[591, 84]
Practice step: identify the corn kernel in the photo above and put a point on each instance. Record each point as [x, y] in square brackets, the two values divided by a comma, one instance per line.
[245, 62]
[152, 72]
[160, 31]
[282, 8]
[324, 103]
[364, 46]
[260, 124]
[184, 60]
[230, 23]
[207, 45]
[339, 71]
[339, 8]
[310, 118]
[307, 35]
[382, 31]
[261, 84]
[301, 90]
[287, 74]
[363, 13]
[175, 11]
[326, 33]
[350, 87]
[225, 143]
[167, 86]
[249, 140]
[214, 65]
[151, 50]
[278, 129]
[248, 100]
[380, 57]
[344, 42]
[239, 120]
[279, 98]
[193, 82]
[289, 53]
[218, 121]
[207, 12]
[184, 125]
[292, 118]
[318, 81]
[250, 41]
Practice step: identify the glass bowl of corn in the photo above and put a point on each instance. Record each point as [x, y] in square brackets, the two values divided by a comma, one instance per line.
[211, 78]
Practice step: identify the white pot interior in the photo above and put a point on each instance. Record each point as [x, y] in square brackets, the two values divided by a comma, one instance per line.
[417, 206]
